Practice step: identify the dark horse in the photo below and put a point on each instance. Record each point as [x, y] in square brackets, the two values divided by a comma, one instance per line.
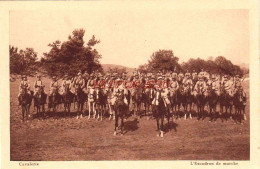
[159, 111]
[101, 101]
[54, 99]
[226, 101]
[25, 100]
[200, 102]
[213, 100]
[186, 100]
[175, 96]
[80, 98]
[121, 106]
[67, 98]
[137, 96]
[240, 104]
[40, 101]
[149, 96]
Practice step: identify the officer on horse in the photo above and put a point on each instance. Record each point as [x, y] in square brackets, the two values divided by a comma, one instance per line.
[24, 87]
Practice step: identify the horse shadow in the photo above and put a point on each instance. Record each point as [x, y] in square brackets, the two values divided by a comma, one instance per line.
[130, 126]
[170, 126]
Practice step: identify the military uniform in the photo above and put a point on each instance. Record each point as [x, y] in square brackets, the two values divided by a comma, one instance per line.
[180, 78]
[66, 82]
[228, 85]
[54, 87]
[38, 87]
[200, 86]
[24, 85]
[187, 82]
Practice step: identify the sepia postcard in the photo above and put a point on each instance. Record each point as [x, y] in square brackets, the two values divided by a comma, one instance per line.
[130, 84]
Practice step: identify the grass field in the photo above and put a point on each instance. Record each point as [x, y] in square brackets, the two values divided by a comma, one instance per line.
[71, 139]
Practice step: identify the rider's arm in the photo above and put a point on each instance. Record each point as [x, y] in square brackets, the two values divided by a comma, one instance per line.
[83, 84]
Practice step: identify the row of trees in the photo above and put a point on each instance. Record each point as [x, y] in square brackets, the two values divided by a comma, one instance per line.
[74, 55]
[22, 61]
[165, 60]
[68, 57]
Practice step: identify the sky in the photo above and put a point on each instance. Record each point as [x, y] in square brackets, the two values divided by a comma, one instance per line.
[130, 36]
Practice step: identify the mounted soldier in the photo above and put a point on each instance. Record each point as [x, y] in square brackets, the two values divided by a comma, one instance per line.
[228, 85]
[91, 82]
[187, 82]
[24, 87]
[80, 82]
[200, 86]
[54, 86]
[215, 85]
[194, 77]
[238, 83]
[38, 86]
[180, 78]
[66, 82]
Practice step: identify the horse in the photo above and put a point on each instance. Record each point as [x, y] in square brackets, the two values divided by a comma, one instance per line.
[25, 99]
[213, 100]
[159, 111]
[67, 98]
[40, 101]
[240, 104]
[226, 101]
[200, 102]
[175, 96]
[186, 100]
[137, 95]
[80, 98]
[91, 102]
[110, 102]
[121, 105]
[101, 100]
[150, 93]
[54, 99]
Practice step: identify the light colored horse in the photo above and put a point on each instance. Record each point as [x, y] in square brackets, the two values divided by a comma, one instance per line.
[91, 103]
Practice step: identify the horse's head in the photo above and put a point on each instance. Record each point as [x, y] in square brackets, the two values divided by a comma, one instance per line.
[78, 89]
[23, 90]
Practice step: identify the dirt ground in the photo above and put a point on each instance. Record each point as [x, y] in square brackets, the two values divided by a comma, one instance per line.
[68, 139]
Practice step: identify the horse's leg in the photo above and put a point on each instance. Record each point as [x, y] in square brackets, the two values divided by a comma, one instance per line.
[110, 111]
[78, 108]
[97, 110]
[157, 120]
[23, 111]
[102, 109]
[185, 111]
[122, 123]
[198, 112]
[94, 110]
[161, 128]
[81, 109]
[116, 122]
[190, 110]
[244, 113]
[89, 109]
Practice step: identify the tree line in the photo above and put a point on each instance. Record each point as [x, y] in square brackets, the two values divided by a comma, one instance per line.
[166, 61]
[74, 55]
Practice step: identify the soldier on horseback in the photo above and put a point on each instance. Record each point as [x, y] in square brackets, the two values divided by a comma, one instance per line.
[66, 82]
[24, 87]
[228, 85]
[80, 82]
[200, 86]
[38, 86]
[215, 84]
[180, 78]
[237, 83]
[194, 77]
[187, 82]
[54, 86]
